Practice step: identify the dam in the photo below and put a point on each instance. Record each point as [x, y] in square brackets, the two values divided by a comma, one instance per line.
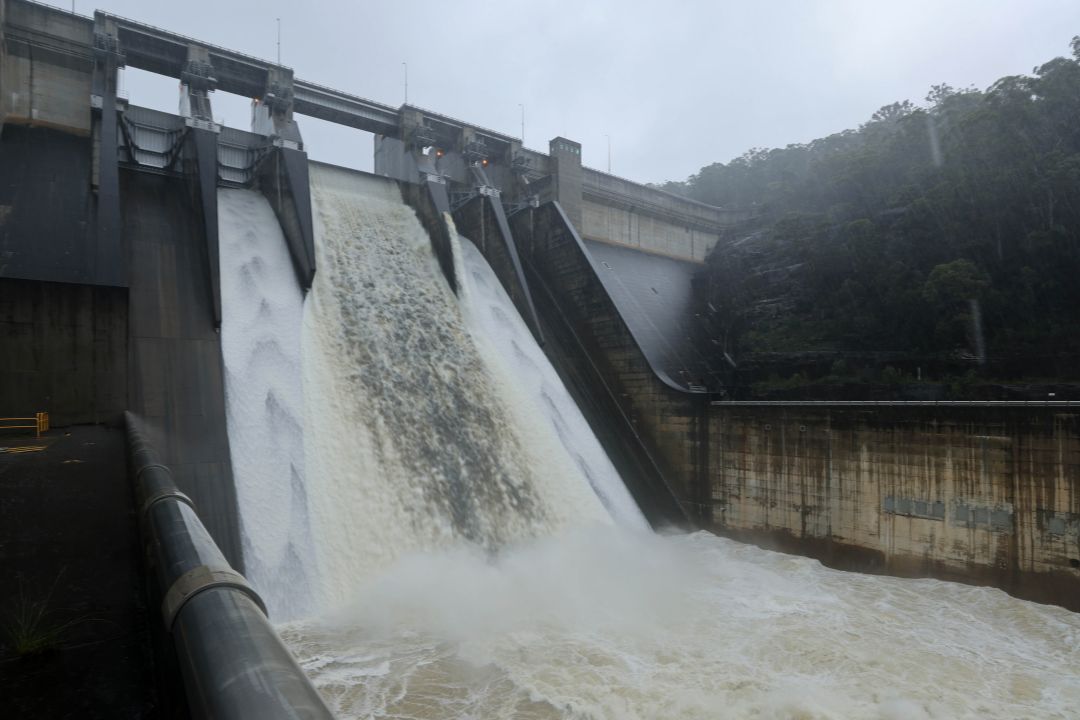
[446, 426]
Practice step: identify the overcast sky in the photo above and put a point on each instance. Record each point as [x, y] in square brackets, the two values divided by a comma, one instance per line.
[676, 85]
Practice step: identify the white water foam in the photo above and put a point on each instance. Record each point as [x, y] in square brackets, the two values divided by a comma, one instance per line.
[538, 397]
[606, 623]
[262, 309]
[471, 584]
[410, 444]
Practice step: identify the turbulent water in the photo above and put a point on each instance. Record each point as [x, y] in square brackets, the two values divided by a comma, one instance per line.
[262, 310]
[607, 623]
[414, 480]
[412, 443]
[540, 399]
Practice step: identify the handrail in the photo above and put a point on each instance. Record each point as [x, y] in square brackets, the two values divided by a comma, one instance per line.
[40, 423]
[233, 663]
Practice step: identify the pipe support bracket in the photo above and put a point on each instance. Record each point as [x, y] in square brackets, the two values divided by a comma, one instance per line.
[202, 578]
[163, 494]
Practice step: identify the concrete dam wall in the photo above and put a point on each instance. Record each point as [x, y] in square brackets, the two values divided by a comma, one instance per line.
[986, 495]
[118, 308]
[435, 412]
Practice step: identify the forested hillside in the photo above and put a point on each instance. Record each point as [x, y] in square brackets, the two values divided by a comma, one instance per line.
[947, 229]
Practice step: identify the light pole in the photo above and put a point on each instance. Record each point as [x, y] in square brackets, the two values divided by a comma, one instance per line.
[406, 66]
[522, 123]
[279, 42]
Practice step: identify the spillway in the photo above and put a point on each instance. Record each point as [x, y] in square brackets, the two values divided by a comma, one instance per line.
[446, 539]
[262, 309]
[375, 418]
[539, 397]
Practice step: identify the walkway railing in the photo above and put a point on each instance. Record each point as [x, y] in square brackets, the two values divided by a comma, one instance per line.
[39, 423]
[233, 663]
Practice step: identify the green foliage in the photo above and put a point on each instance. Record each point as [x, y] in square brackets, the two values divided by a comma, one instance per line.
[32, 625]
[878, 238]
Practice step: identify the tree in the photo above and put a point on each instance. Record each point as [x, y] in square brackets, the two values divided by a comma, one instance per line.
[876, 238]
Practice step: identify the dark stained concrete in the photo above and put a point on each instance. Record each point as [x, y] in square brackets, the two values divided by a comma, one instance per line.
[63, 350]
[48, 210]
[653, 294]
[176, 381]
[68, 543]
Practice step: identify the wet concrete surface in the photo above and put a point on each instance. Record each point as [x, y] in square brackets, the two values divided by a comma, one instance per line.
[70, 569]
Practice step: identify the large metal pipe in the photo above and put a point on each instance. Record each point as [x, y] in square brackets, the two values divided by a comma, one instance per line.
[233, 663]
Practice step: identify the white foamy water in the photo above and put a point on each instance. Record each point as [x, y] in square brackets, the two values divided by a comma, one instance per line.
[539, 398]
[411, 445]
[456, 530]
[609, 623]
[262, 308]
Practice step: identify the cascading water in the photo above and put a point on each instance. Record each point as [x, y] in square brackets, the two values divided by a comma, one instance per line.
[465, 567]
[262, 309]
[412, 445]
[539, 397]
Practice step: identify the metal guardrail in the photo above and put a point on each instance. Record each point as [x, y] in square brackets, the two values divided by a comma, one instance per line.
[39, 423]
[233, 663]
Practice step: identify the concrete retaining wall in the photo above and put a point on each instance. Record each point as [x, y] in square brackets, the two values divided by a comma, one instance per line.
[980, 495]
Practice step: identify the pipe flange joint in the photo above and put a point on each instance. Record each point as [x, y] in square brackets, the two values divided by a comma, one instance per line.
[198, 579]
[152, 466]
[163, 494]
